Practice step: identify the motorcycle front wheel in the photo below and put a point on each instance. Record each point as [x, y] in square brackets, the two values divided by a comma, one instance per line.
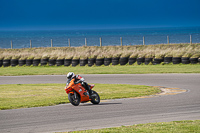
[95, 99]
[74, 99]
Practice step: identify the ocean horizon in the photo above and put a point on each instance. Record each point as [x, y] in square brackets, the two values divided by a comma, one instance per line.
[109, 37]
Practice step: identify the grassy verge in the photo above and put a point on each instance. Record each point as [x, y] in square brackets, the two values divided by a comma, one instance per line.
[159, 50]
[164, 127]
[35, 95]
[127, 69]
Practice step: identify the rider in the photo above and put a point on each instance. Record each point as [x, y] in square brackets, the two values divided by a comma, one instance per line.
[78, 79]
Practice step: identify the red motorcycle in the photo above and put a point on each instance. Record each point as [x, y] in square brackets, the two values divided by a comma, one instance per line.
[78, 94]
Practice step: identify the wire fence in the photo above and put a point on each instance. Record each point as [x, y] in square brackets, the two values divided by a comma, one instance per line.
[104, 41]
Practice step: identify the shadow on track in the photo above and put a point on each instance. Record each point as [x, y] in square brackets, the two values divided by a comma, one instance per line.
[104, 103]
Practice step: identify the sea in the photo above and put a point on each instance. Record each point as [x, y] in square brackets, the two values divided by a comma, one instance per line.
[91, 37]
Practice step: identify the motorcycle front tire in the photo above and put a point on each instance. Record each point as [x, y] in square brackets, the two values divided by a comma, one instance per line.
[74, 101]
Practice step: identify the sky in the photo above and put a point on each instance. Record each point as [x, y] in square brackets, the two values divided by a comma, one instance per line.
[97, 14]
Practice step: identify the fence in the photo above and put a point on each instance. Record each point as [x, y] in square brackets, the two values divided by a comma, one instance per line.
[100, 42]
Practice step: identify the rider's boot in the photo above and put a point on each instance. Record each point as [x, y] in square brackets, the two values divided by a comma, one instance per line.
[88, 89]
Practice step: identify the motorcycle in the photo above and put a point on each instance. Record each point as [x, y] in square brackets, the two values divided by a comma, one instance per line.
[78, 94]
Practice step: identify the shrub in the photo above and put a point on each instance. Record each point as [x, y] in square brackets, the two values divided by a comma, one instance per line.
[147, 51]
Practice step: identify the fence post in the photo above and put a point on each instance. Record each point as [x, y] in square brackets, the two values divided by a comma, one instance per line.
[51, 43]
[85, 41]
[190, 39]
[167, 39]
[69, 42]
[143, 40]
[30, 44]
[121, 41]
[11, 44]
[100, 41]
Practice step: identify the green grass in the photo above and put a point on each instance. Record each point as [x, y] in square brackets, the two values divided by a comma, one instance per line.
[36, 95]
[189, 126]
[127, 69]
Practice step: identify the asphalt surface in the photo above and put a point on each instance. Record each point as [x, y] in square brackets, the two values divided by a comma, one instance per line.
[111, 113]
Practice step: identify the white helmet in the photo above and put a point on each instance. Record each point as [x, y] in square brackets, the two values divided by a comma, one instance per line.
[70, 75]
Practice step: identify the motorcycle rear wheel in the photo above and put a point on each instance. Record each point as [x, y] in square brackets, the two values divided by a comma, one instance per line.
[95, 99]
[74, 101]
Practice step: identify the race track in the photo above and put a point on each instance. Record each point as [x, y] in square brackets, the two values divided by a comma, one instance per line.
[112, 113]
